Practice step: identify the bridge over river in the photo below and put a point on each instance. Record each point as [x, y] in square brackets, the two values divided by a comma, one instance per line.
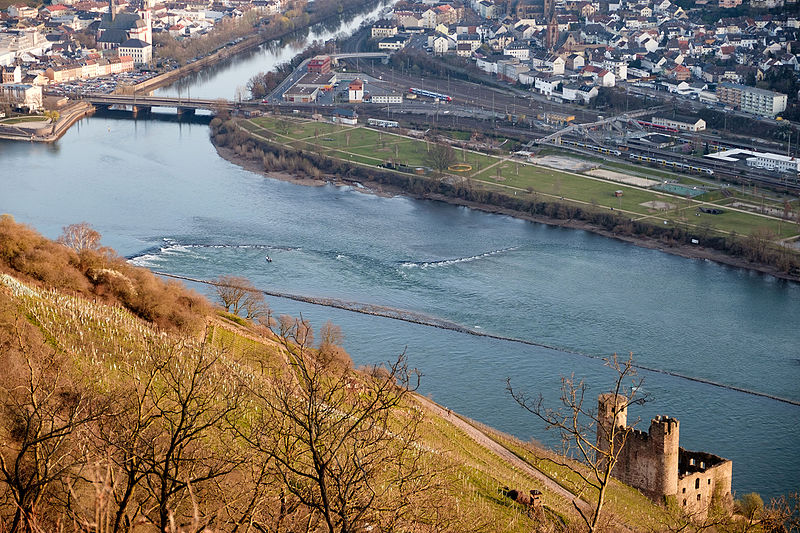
[141, 103]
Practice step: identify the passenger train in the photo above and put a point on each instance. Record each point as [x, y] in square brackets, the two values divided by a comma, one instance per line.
[592, 147]
[430, 94]
[676, 165]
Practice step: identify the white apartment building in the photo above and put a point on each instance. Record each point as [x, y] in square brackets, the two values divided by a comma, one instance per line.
[140, 51]
[751, 99]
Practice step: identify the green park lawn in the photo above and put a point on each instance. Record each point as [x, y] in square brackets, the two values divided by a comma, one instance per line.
[367, 146]
[26, 118]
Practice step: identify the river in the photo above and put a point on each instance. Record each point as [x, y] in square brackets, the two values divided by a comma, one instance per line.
[160, 194]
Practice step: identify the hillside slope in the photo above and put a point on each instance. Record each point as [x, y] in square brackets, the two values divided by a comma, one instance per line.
[125, 412]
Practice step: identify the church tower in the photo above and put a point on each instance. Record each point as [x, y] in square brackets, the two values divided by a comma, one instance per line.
[551, 37]
[552, 34]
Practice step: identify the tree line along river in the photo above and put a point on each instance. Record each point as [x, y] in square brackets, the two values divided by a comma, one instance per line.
[160, 194]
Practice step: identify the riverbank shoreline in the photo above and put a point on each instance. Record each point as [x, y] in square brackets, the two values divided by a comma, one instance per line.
[69, 116]
[381, 189]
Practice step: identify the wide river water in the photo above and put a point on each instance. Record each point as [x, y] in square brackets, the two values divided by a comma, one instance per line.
[160, 194]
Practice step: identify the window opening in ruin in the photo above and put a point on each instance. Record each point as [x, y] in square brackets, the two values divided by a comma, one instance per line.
[697, 483]
[698, 497]
[684, 502]
[684, 490]
[709, 481]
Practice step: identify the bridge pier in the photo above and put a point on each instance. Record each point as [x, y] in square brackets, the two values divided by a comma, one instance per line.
[137, 109]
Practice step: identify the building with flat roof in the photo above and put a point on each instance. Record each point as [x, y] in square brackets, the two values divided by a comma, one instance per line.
[345, 116]
[316, 80]
[301, 94]
[319, 64]
[751, 99]
[762, 160]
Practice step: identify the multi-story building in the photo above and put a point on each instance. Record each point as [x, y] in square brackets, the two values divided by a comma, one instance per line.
[88, 69]
[751, 99]
[320, 65]
[384, 28]
[140, 51]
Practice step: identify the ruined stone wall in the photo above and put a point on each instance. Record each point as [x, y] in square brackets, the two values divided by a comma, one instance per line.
[654, 463]
[649, 460]
[704, 480]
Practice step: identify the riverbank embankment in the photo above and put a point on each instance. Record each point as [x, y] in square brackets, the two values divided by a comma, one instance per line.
[319, 169]
[49, 132]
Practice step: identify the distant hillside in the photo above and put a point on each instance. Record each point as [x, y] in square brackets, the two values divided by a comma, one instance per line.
[130, 404]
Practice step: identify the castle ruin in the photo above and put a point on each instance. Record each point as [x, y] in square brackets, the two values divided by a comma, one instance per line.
[654, 463]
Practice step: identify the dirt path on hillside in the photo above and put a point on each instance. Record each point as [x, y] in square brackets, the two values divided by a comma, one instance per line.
[498, 449]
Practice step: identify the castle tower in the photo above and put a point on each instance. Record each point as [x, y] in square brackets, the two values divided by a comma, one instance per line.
[612, 411]
[664, 443]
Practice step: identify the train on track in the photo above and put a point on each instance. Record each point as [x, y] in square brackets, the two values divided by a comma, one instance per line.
[675, 165]
[593, 148]
[383, 123]
[431, 94]
[656, 126]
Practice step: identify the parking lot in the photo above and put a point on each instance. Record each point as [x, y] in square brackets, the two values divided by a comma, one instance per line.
[101, 85]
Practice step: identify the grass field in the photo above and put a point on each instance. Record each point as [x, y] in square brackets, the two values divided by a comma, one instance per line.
[371, 147]
[27, 118]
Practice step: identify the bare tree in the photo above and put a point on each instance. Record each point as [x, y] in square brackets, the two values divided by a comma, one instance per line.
[439, 157]
[166, 441]
[195, 394]
[232, 291]
[782, 515]
[337, 444]
[585, 433]
[256, 308]
[126, 430]
[45, 408]
[80, 237]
